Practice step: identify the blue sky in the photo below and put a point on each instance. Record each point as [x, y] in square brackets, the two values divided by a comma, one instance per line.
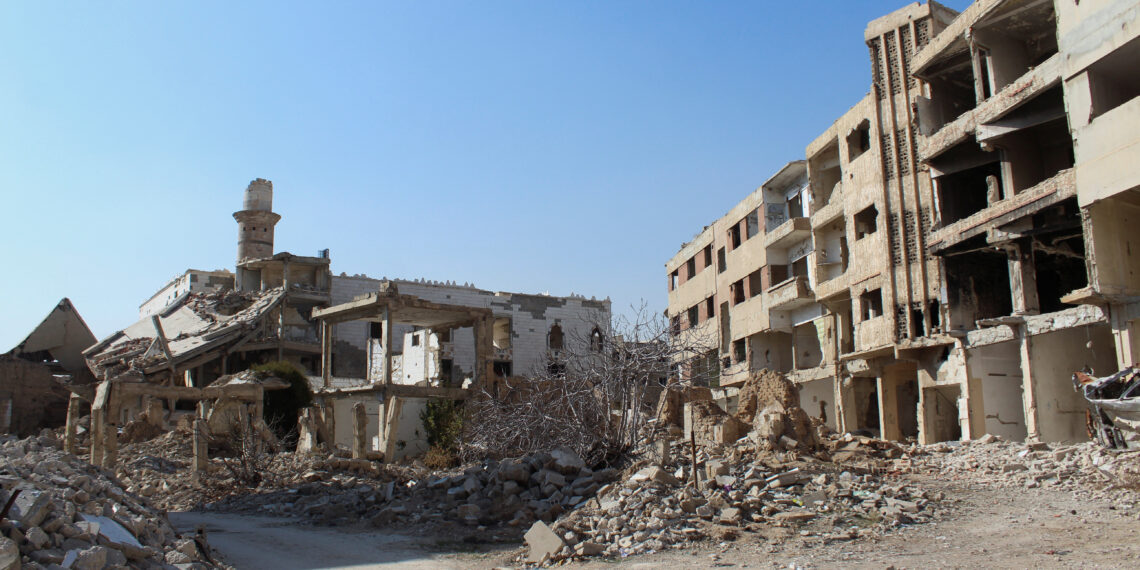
[522, 146]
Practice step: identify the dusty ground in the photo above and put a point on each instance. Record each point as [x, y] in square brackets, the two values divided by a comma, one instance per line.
[981, 526]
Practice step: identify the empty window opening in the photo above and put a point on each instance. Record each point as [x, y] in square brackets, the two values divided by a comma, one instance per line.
[866, 222]
[751, 224]
[734, 236]
[673, 277]
[739, 351]
[952, 93]
[415, 340]
[375, 330]
[708, 256]
[800, 267]
[807, 352]
[977, 283]
[737, 290]
[502, 368]
[1058, 254]
[710, 308]
[859, 140]
[826, 174]
[721, 263]
[756, 282]
[691, 268]
[675, 324]
[866, 406]
[1038, 146]
[971, 181]
[984, 79]
[1113, 80]
[918, 321]
[597, 340]
[444, 335]
[554, 339]
[795, 206]
[871, 303]
[502, 333]
[693, 314]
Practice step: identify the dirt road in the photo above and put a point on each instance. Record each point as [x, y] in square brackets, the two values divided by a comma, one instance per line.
[254, 543]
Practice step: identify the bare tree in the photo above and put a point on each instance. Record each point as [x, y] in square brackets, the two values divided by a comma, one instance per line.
[591, 396]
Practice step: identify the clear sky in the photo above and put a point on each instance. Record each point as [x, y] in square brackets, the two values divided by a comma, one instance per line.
[524, 146]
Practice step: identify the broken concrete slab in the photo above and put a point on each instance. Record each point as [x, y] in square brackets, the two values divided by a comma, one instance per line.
[542, 542]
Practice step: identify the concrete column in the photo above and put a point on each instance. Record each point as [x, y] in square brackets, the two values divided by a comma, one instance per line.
[395, 406]
[326, 353]
[888, 408]
[1023, 279]
[1028, 386]
[96, 451]
[110, 446]
[72, 427]
[484, 352]
[846, 413]
[328, 418]
[386, 333]
[359, 431]
[201, 443]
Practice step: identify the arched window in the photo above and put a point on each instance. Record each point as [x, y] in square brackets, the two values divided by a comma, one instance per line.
[554, 339]
[596, 340]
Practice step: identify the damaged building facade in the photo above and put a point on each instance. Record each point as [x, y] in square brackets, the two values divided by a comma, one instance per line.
[954, 246]
[425, 340]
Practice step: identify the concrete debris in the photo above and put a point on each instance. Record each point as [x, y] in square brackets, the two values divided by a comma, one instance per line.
[542, 542]
[1082, 468]
[69, 513]
[745, 487]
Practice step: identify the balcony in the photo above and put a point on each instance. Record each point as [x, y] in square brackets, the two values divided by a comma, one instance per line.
[791, 293]
[788, 233]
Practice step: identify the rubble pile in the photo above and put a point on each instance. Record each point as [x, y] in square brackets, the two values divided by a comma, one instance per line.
[1081, 467]
[514, 492]
[738, 488]
[69, 513]
[160, 469]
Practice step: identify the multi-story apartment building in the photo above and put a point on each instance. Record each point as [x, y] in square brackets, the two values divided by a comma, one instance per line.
[925, 276]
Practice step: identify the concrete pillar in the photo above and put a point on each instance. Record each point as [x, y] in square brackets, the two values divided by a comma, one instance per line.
[395, 406]
[96, 452]
[326, 353]
[484, 352]
[386, 340]
[306, 431]
[888, 408]
[328, 420]
[201, 446]
[846, 410]
[201, 442]
[1028, 386]
[110, 446]
[72, 427]
[1023, 279]
[359, 431]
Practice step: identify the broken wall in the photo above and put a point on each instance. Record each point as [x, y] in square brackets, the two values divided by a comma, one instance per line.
[30, 398]
[1054, 357]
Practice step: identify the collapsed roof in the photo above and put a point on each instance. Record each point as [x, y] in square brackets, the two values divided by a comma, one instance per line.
[198, 328]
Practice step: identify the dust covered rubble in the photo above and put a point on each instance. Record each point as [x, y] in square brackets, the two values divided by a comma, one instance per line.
[1084, 468]
[738, 490]
[782, 472]
[68, 513]
[507, 494]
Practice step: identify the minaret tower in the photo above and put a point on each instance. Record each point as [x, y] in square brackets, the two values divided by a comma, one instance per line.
[256, 221]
